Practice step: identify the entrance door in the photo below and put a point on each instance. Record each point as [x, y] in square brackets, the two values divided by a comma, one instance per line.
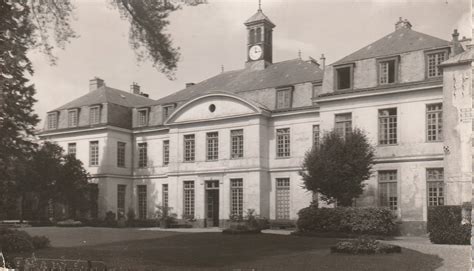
[212, 203]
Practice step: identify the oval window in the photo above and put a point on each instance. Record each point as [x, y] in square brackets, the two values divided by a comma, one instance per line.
[212, 108]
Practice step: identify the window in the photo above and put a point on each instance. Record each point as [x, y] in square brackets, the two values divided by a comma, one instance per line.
[167, 110]
[142, 155]
[388, 71]
[435, 186]
[283, 98]
[165, 199]
[343, 77]
[433, 61]
[94, 115]
[188, 187]
[120, 154]
[434, 122]
[388, 195]
[212, 146]
[316, 135]
[142, 201]
[72, 118]
[121, 188]
[237, 143]
[252, 36]
[142, 117]
[259, 35]
[282, 198]
[53, 120]
[283, 142]
[71, 149]
[388, 126]
[236, 194]
[343, 124]
[189, 148]
[166, 152]
[94, 153]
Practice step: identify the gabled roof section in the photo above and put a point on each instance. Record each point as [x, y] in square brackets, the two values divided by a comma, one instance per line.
[109, 95]
[258, 17]
[283, 73]
[400, 41]
[462, 58]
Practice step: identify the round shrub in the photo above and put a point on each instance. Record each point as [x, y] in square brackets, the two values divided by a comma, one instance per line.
[16, 241]
[40, 242]
[445, 225]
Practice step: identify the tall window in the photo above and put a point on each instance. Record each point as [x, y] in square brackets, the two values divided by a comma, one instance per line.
[237, 144]
[252, 36]
[167, 110]
[434, 122]
[165, 199]
[166, 152]
[258, 35]
[71, 149]
[94, 153]
[388, 71]
[120, 154]
[343, 77]
[72, 118]
[143, 117]
[283, 98]
[433, 61]
[212, 140]
[388, 126]
[388, 194]
[343, 124]
[94, 115]
[189, 145]
[283, 142]
[188, 191]
[142, 155]
[316, 135]
[236, 194]
[121, 188]
[53, 120]
[282, 198]
[435, 186]
[142, 201]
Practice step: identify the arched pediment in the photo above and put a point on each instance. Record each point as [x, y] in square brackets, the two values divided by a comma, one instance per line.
[213, 107]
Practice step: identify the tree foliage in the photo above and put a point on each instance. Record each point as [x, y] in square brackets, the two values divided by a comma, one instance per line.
[338, 167]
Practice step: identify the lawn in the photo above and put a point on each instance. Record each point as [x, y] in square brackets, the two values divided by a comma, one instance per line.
[155, 250]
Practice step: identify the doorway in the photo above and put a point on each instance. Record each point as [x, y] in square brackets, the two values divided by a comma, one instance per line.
[212, 204]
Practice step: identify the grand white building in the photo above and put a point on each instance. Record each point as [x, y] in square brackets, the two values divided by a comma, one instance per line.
[236, 141]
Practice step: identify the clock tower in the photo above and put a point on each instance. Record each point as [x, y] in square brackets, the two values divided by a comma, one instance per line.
[259, 41]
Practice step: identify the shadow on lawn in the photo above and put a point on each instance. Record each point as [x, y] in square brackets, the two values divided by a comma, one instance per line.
[261, 251]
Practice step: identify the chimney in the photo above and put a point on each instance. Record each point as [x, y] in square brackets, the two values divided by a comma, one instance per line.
[402, 24]
[456, 46]
[323, 61]
[135, 88]
[189, 85]
[95, 83]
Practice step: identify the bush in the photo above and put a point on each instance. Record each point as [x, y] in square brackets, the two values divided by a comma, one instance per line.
[364, 246]
[110, 220]
[40, 242]
[445, 224]
[69, 223]
[367, 220]
[241, 229]
[20, 241]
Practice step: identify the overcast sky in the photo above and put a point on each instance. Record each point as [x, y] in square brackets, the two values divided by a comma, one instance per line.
[212, 35]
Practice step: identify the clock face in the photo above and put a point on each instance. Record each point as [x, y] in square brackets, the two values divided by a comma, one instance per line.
[255, 52]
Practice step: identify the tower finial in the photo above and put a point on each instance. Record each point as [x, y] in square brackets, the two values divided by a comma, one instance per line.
[259, 5]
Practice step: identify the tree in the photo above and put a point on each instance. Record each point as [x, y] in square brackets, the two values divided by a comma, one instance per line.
[338, 167]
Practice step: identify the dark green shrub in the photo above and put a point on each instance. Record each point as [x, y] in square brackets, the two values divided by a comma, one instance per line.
[110, 220]
[16, 241]
[445, 225]
[364, 245]
[367, 220]
[40, 242]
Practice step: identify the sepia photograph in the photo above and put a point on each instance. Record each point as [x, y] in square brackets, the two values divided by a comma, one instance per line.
[239, 135]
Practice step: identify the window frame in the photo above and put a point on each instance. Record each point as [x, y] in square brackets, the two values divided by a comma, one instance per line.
[121, 154]
[316, 140]
[164, 109]
[69, 148]
[279, 187]
[344, 122]
[76, 123]
[121, 199]
[396, 181]
[212, 155]
[142, 154]
[445, 51]
[351, 67]
[237, 197]
[379, 118]
[192, 150]
[238, 153]
[439, 137]
[91, 154]
[165, 195]
[53, 118]
[166, 152]
[396, 59]
[142, 205]
[440, 183]
[285, 89]
[91, 120]
[282, 154]
[139, 117]
[190, 210]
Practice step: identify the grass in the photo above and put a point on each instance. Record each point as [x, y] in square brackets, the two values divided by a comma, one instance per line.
[217, 251]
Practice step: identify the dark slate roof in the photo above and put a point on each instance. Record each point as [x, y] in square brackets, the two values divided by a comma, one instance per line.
[258, 17]
[400, 41]
[462, 58]
[109, 95]
[283, 73]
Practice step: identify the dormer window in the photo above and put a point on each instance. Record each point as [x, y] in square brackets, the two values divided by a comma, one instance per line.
[53, 120]
[433, 59]
[94, 115]
[284, 98]
[72, 117]
[388, 70]
[142, 117]
[343, 77]
[167, 110]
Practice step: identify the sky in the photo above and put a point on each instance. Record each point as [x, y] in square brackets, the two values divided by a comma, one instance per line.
[213, 35]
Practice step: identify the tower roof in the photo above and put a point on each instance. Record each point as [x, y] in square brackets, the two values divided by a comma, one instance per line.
[259, 17]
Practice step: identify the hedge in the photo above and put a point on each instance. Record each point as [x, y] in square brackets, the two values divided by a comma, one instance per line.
[445, 227]
[363, 220]
[364, 246]
[20, 241]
